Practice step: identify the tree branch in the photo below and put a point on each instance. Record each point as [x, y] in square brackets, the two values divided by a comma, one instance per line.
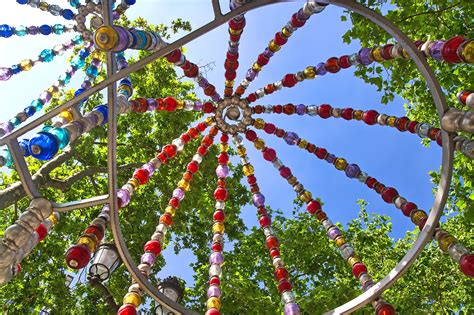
[429, 12]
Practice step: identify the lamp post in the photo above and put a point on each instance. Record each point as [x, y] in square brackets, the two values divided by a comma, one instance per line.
[173, 290]
[106, 260]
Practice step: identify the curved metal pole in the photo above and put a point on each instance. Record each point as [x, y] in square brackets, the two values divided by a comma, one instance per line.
[446, 166]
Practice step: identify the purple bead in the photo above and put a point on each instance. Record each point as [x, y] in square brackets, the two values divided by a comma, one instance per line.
[198, 106]
[216, 97]
[300, 109]
[68, 45]
[86, 84]
[148, 258]
[291, 309]
[364, 56]
[115, 15]
[368, 285]
[152, 105]
[71, 70]
[321, 69]
[105, 209]
[301, 15]
[5, 74]
[216, 258]
[46, 97]
[291, 138]
[178, 193]
[214, 290]
[124, 197]
[32, 30]
[149, 167]
[352, 170]
[93, 118]
[258, 200]
[268, 53]
[6, 127]
[435, 50]
[122, 64]
[96, 62]
[334, 232]
[123, 39]
[233, 50]
[251, 75]
[222, 171]
[330, 158]
[203, 83]
[88, 45]
[79, 126]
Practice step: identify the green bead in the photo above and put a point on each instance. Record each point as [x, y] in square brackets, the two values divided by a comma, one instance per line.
[47, 55]
[62, 135]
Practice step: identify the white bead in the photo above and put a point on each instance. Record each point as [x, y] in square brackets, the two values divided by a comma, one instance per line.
[178, 143]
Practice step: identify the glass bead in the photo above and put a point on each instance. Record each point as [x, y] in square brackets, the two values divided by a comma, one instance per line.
[450, 48]
[66, 115]
[216, 258]
[132, 298]
[20, 30]
[43, 146]
[391, 121]
[74, 3]
[22, 1]
[456, 251]
[466, 264]
[67, 14]
[5, 74]
[89, 242]
[467, 52]
[445, 242]
[47, 55]
[123, 197]
[26, 64]
[43, 6]
[306, 196]
[259, 144]
[78, 40]
[92, 71]
[6, 158]
[215, 271]
[77, 256]
[258, 200]
[340, 163]
[248, 170]
[214, 291]
[218, 227]
[377, 54]
[127, 309]
[54, 9]
[259, 123]
[45, 29]
[291, 309]
[62, 135]
[352, 170]
[214, 302]
[15, 69]
[357, 114]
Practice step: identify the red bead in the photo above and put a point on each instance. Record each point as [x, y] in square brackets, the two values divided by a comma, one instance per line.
[401, 123]
[223, 158]
[77, 256]
[310, 148]
[251, 135]
[466, 264]
[281, 273]
[174, 56]
[230, 75]
[422, 223]
[142, 175]
[232, 57]
[193, 133]
[289, 80]
[97, 231]
[231, 65]
[202, 150]
[185, 137]
[284, 285]
[170, 150]
[220, 194]
[321, 153]
[408, 207]
[412, 126]
[262, 60]
[269, 154]
[171, 103]
[324, 110]
[201, 127]
[213, 311]
[258, 109]
[162, 157]
[262, 211]
[214, 281]
[208, 107]
[295, 22]
[237, 25]
[265, 221]
[388, 194]
[207, 141]
[379, 187]
[224, 138]
[251, 179]
[174, 202]
[332, 65]
[272, 242]
[313, 206]
[370, 181]
[386, 309]
[153, 246]
[252, 97]
[217, 247]
[280, 133]
[166, 219]
[219, 216]
[193, 167]
[277, 109]
[370, 117]
[42, 232]
[285, 172]
[347, 113]
[139, 105]
[386, 52]
[269, 128]
[439, 139]
[279, 39]
[274, 253]
[344, 62]
[127, 309]
[450, 48]
[358, 268]
[289, 109]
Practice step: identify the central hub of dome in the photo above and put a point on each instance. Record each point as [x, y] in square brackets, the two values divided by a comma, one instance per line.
[233, 115]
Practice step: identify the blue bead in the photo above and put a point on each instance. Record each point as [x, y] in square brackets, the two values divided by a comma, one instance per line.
[68, 14]
[103, 109]
[45, 29]
[5, 158]
[74, 3]
[47, 128]
[24, 146]
[92, 71]
[78, 62]
[47, 55]
[58, 29]
[30, 111]
[126, 81]
[16, 69]
[15, 121]
[6, 30]
[84, 53]
[37, 104]
[66, 78]
[62, 135]
[20, 30]
[130, 2]
[22, 1]
[43, 146]
[80, 91]
[78, 40]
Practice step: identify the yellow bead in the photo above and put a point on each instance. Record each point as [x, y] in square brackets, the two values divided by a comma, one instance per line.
[88, 241]
[259, 144]
[445, 242]
[126, 88]
[53, 90]
[132, 298]
[53, 219]
[259, 123]
[183, 184]
[292, 180]
[377, 54]
[309, 73]
[26, 64]
[229, 83]
[97, 54]
[256, 67]
[285, 32]
[248, 169]
[358, 114]
[224, 147]
[468, 52]
[340, 241]
[218, 227]
[306, 196]
[391, 121]
[340, 164]
[417, 216]
[235, 32]
[352, 260]
[170, 210]
[405, 54]
[302, 143]
[241, 151]
[209, 121]
[180, 104]
[66, 115]
[134, 182]
[214, 302]
[106, 38]
[273, 47]
[43, 6]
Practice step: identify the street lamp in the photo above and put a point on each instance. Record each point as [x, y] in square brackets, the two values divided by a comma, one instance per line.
[106, 260]
[173, 290]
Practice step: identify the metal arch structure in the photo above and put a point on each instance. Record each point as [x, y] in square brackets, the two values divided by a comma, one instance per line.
[219, 19]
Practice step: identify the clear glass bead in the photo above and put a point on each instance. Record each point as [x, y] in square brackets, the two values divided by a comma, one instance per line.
[178, 143]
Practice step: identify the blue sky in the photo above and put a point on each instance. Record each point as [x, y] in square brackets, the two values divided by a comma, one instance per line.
[396, 159]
